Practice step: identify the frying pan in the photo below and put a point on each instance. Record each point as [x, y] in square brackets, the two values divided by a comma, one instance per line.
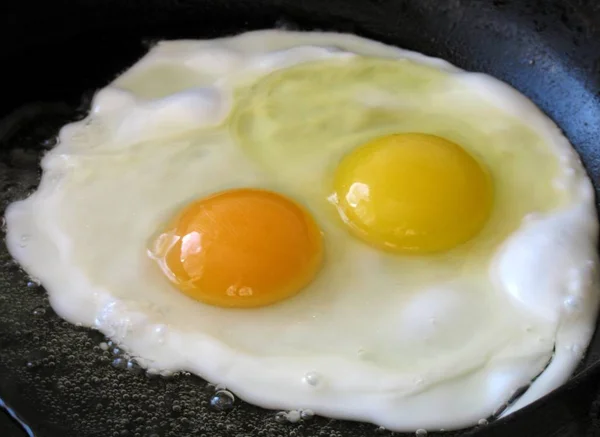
[55, 378]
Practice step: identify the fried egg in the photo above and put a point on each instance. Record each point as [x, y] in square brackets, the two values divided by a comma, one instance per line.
[319, 221]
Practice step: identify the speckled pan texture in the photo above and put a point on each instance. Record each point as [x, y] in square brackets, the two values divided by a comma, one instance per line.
[67, 381]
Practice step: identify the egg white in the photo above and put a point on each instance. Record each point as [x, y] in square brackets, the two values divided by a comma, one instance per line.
[384, 340]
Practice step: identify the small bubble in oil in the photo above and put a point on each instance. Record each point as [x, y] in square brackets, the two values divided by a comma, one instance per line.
[294, 416]
[281, 417]
[222, 400]
[119, 363]
[40, 311]
[307, 414]
[421, 433]
[49, 143]
[33, 283]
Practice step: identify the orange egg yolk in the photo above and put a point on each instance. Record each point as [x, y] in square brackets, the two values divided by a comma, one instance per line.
[413, 193]
[241, 248]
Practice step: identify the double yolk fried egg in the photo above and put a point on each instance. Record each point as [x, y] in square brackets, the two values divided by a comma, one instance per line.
[322, 222]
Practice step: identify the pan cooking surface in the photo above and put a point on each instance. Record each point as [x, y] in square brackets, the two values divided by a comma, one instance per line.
[59, 379]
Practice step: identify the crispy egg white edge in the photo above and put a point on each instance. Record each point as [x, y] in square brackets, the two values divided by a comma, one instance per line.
[576, 321]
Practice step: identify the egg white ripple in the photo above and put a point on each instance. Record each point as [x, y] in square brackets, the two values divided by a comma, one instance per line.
[442, 355]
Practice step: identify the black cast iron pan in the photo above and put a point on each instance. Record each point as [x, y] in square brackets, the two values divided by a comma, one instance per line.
[53, 55]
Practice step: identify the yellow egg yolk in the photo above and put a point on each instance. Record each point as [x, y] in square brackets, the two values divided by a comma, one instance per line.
[413, 193]
[241, 248]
